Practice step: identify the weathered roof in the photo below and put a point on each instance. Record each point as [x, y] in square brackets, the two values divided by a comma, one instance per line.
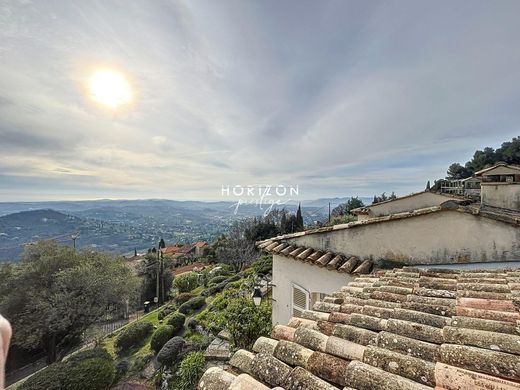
[514, 168]
[503, 215]
[330, 260]
[405, 328]
[365, 209]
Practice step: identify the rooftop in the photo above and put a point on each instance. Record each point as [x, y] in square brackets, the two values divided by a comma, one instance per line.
[404, 328]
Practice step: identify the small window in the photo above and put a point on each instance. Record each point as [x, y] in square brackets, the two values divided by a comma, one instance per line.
[300, 300]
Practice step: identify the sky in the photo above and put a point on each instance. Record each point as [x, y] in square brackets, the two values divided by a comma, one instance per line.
[337, 98]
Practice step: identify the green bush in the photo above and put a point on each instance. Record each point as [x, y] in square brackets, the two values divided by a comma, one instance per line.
[191, 370]
[161, 336]
[134, 334]
[183, 297]
[246, 322]
[51, 378]
[90, 374]
[186, 282]
[218, 279]
[99, 353]
[166, 311]
[192, 305]
[171, 351]
[263, 265]
[122, 368]
[177, 321]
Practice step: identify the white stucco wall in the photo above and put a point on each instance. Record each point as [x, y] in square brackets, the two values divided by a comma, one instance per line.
[312, 278]
[442, 237]
[413, 202]
[505, 195]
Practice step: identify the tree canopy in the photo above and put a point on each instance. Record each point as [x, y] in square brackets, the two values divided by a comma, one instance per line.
[54, 294]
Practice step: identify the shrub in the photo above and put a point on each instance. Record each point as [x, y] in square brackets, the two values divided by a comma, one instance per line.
[246, 322]
[161, 336]
[183, 297]
[218, 279]
[192, 305]
[186, 282]
[171, 351]
[263, 265]
[220, 286]
[51, 378]
[176, 320]
[132, 335]
[90, 374]
[190, 370]
[122, 368]
[99, 353]
[166, 311]
[192, 324]
[141, 361]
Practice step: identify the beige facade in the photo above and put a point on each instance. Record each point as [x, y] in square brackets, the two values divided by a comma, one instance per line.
[441, 237]
[504, 195]
[406, 203]
[289, 273]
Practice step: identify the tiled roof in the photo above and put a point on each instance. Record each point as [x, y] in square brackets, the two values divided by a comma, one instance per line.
[406, 329]
[200, 244]
[327, 259]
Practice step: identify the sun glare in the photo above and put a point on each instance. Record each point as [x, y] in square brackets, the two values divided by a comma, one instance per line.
[110, 88]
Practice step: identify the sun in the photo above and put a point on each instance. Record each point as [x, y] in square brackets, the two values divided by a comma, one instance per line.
[110, 88]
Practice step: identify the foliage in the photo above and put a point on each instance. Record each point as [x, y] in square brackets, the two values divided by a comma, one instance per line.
[343, 219]
[383, 197]
[508, 152]
[133, 335]
[192, 305]
[190, 371]
[186, 282]
[148, 273]
[161, 336]
[183, 297]
[166, 311]
[176, 320]
[91, 373]
[121, 369]
[171, 351]
[98, 353]
[237, 249]
[217, 279]
[246, 322]
[347, 207]
[263, 265]
[219, 287]
[54, 294]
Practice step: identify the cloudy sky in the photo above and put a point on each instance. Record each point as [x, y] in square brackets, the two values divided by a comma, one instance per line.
[337, 97]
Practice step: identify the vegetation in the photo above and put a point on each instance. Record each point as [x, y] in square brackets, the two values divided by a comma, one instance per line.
[176, 320]
[347, 207]
[55, 294]
[148, 273]
[383, 197]
[263, 265]
[133, 335]
[88, 370]
[190, 371]
[186, 282]
[183, 297]
[192, 305]
[246, 322]
[161, 336]
[171, 351]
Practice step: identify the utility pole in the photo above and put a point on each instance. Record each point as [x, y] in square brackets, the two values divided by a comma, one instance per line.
[74, 237]
[158, 272]
[162, 278]
[329, 212]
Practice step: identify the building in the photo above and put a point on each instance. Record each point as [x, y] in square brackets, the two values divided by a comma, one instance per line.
[468, 187]
[406, 329]
[199, 247]
[500, 186]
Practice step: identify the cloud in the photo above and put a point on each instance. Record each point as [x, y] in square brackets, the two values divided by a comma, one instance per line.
[342, 98]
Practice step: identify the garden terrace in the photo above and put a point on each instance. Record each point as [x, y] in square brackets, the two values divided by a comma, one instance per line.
[408, 329]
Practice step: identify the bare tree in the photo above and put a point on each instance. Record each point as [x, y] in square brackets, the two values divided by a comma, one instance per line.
[236, 249]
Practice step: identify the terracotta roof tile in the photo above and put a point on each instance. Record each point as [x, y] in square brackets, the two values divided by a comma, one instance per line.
[417, 330]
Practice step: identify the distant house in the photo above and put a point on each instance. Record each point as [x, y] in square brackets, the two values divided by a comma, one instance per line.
[468, 187]
[186, 249]
[199, 247]
[500, 186]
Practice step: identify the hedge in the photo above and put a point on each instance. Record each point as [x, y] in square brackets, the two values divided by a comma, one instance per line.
[186, 282]
[133, 335]
[161, 336]
[183, 297]
[51, 378]
[177, 321]
[99, 353]
[218, 279]
[166, 311]
[219, 287]
[171, 351]
[192, 305]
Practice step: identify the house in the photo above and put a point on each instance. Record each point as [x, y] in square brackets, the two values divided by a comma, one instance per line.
[199, 247]
[468, 187]
[406, 329]
[500, 186]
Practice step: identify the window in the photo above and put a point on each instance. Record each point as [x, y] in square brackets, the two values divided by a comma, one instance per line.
[317, 297]
[300, 300]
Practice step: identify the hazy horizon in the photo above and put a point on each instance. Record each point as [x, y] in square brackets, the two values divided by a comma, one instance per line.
[173, 99]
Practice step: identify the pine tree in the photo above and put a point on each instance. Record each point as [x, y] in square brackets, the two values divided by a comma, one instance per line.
[162, 244]
[299, 218]
[283, 223]
[428, 188]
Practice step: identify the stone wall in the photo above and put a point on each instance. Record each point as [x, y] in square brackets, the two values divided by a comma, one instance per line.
[504, 195]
